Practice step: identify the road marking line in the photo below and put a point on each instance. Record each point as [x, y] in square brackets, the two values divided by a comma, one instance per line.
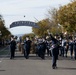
[0, 61]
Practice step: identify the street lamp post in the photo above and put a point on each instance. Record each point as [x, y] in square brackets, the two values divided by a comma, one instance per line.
[61, 27]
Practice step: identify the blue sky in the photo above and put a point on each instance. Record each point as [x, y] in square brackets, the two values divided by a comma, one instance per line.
[14, 10]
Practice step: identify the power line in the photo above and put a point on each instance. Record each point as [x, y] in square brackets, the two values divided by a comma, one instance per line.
[13, 15]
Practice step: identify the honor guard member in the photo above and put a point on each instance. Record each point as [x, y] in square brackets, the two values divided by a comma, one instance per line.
[75, 48]
[12, 47]
[55, 51]
[27, 46]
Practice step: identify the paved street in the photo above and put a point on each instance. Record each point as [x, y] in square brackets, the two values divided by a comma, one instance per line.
[36, 66]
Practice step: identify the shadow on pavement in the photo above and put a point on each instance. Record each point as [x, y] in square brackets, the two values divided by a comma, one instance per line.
[2, 70]
[65, 68]
[34, 57]
[31, 58]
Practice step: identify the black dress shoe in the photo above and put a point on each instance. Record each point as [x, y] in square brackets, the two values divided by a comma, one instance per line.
[10, 58]
[53, 67]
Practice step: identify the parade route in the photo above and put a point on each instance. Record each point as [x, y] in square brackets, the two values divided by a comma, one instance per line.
[37, 37]
[36, 66]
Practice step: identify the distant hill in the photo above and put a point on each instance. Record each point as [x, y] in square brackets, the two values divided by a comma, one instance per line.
[18, 35]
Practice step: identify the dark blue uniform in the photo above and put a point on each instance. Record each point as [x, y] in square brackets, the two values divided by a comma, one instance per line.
[55, 52]
[42, 51]
[75, 49]
[12, 48]
[27, 46]
[71, 48]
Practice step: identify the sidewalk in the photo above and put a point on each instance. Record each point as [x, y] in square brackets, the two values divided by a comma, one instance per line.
[1, 47]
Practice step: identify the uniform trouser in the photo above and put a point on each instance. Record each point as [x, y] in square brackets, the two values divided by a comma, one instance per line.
[39, 51]
[71, 52]
[47, 51]
[55, 52]
[54, 61]
[75, 54]
[24, 53]
[42, 53]
[12, 53]
[62, 51]
[66, 51]
[27, 53]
